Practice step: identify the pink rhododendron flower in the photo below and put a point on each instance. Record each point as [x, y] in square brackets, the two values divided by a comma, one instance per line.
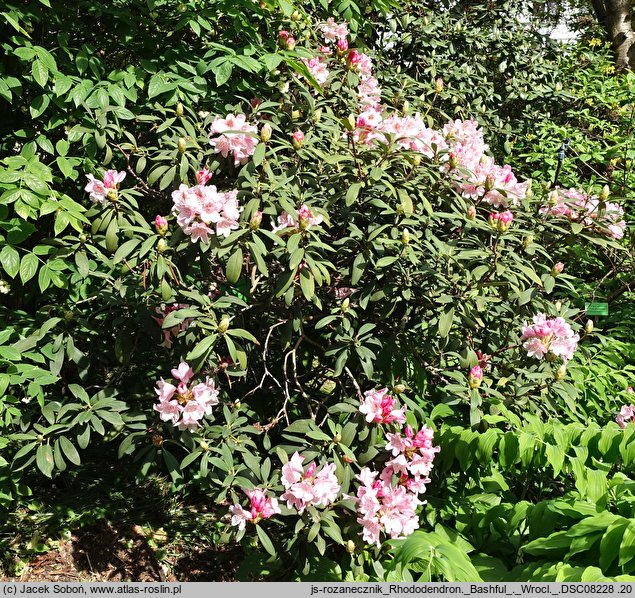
[168, 333]
[607, 217]
[627, 412]
[381, 408]
[333, 31]
[261, 507]
[98, 190]
[234, 135]
[308, 487]
[185, 404]
[549, 335]
[203, 210]
[317, 68]
[304, 219]
[383, 508]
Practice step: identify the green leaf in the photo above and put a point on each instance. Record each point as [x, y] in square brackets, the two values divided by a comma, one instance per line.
[39, 105]
[40, 72]
[28, 267]
[223, 73]
[69, 450]
[445, 322]
[44, 459]
[307, 284]
[259, 154]
[112, 239]
[10, 260]
[234, 265]
[352, 193]
[265, 541]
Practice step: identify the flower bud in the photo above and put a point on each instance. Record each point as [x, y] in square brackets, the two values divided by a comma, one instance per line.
[557, 269]
[630, 390]
[295, 115]
[349, 123]
[162, 245]
[405, 236]
[553, 197]
[255, 103]
[157, 440]
[179, 109]
[475, 377]
[317, 115]
[453, 162]
[406, 107]
[223, 325]
[471, 212]
[438, 85]
[561, 372]
[589, 327]
[345, 304]
[255, 221]
[203, 176]
[82, 238]
[237, 404]
[291, 43]
[112, 194]
[604, 194]
[558, 306]
[283, 87]
[297, 139]
[204, 446]
[265, 133]
[337, 437]
[161, 224]
[342, 45]
[489, 182]
[527, 241]
[295, 16]
[350, 546]
[399, 388]
[182, 145]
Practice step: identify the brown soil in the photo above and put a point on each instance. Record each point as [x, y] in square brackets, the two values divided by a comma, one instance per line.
[103, 553]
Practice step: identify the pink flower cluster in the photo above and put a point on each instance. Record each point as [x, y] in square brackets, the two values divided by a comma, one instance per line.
[304, 219]
[308, 487]
[168, 333]
[589, 210]
[552, 335]
[387, 501]
[234, 135]
[185, 404]
[380, 408]
[627, 412]
[384, 508]
[317, 68]
[198, 208]
[261, 507]
[332, 31]
[99, 190]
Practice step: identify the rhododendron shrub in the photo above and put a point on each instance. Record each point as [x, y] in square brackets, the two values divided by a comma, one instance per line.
[297, 289]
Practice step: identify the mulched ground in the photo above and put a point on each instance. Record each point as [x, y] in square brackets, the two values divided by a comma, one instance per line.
[103, 553]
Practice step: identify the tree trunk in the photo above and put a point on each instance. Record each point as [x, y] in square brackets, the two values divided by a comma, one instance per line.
[616, 16]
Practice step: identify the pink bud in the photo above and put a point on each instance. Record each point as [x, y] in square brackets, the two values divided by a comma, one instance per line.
[342, 45]
[161, 224]
[310, 470]
[255, 221]
[283, 35]
[475, 377]
[471, 212]
[297, 139]
[353, 58]
[291, 43]
[439, 85]
[203, 176]
[557, 269]
[630, 390]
